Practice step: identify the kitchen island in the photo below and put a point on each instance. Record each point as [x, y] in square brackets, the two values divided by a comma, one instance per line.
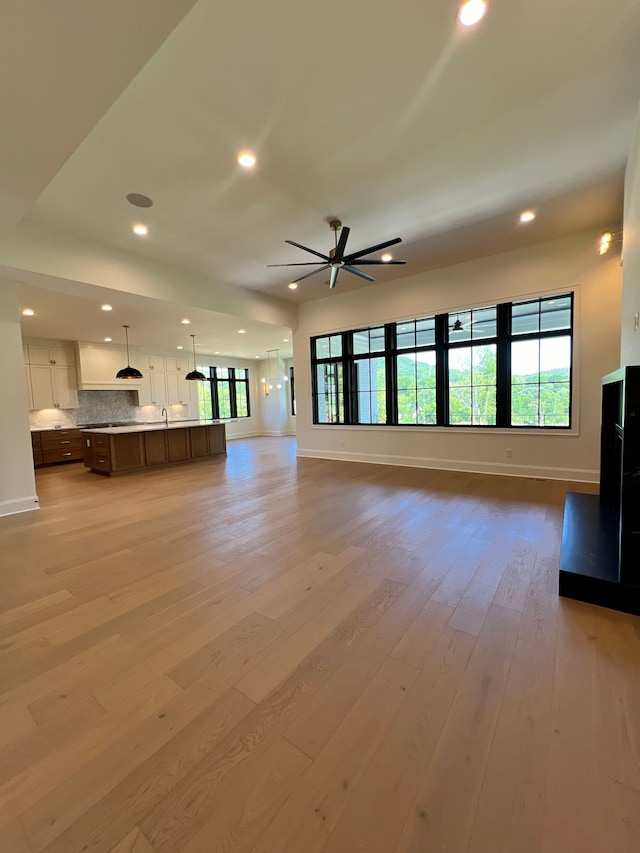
[115, 450]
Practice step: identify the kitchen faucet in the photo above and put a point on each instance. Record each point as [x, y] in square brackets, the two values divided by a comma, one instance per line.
[164, 414]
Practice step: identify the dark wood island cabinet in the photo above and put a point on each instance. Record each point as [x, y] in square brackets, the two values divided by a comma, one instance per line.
[117, 450]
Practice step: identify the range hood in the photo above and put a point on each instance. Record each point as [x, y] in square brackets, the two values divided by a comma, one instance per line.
[97, 368]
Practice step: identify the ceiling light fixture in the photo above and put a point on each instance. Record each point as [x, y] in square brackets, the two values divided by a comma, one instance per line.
[527, 216]
[471, 12]
[195, 373]
[179, 347]
[607, 239]
[246, 159]
[242, 331]
[267, 381]
[28, 312]
[185, 322]
[108, 340]
[386, 258]
[140, 230]
[106, 307]
[128, 372]
[293, 285]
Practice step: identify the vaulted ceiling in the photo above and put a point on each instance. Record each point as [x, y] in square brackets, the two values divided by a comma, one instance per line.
[390, 117]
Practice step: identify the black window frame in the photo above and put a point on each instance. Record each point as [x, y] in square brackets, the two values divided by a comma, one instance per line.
[232, 380]
[444, 343]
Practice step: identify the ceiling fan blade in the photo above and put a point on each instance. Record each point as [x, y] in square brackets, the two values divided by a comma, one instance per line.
[368, 251]
[384, 263]
[307, 264]
[334, 276]
[357, 272]
[313, 272]
[306, 249]
[342, 242]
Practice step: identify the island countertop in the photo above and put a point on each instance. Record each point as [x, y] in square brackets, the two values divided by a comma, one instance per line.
[121, 449]
[150, 427]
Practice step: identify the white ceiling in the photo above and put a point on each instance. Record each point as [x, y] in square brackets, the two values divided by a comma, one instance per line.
[390, 117]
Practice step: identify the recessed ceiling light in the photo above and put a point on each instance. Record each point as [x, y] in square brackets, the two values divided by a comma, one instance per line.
[285, 340]
[179, 347]
[185, 322]
[139, 200]
[246, 159]
[257, 356]
[106, 308]
[527, 216]
[471, 12]
[242, 331]
[217, 352]
[140, 230]
[28, 312]
[293, 285]
[108, 340]
[386, 257]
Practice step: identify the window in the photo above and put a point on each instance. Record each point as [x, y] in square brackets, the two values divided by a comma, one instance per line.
[225, 394]
[506, 365]
[541, 362]
[415, 369]
[292, 390]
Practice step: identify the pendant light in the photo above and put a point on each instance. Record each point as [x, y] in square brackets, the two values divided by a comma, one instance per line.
[267, 381]
[195, 373]
[128, 372]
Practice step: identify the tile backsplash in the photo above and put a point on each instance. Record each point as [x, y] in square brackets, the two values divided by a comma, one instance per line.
[100, 407]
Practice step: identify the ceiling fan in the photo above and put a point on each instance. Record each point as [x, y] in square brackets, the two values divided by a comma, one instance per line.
[337, 260]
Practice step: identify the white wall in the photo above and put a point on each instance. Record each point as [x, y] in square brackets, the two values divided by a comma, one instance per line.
[17, 480]
[630, 341]
[274, 407]
[554, 267]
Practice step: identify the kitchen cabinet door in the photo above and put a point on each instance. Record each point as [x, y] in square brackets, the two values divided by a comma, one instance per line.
[158, 385]
[65, 387]
[177, 389]
[42, 387]
[60, 356]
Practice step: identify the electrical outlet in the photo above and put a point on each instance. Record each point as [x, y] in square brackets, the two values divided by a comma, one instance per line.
[342, 444]
[509, 453]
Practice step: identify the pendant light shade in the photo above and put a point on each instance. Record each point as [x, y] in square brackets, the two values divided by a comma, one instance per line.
[195, 373]
[128, 372]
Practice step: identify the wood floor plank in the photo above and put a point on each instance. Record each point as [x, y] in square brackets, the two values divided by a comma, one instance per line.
[442, 813]
[510, 809]
[311, 812]
[380, 804]
[130, 608]
[312, 728]
[134, 842]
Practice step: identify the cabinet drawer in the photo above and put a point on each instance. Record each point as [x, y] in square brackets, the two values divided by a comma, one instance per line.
[101, 461]
[61, 455]
[60, 433]
[61, 443]
[100, 441]
[36, 440]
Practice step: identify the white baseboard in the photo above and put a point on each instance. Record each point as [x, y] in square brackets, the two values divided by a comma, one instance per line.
[19, 505]
[541, 472]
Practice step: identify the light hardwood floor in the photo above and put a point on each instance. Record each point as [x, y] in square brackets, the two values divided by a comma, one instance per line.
[256, 654]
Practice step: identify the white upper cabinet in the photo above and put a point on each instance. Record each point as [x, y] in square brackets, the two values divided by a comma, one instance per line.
[178, 389]
[178, 365]
[53, 387]
[58, 356]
